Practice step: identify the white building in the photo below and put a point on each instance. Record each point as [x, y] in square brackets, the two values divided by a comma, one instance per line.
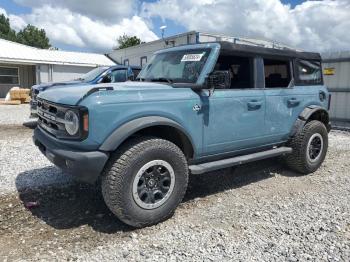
[336, 67]
[140, 54]
[24, 66]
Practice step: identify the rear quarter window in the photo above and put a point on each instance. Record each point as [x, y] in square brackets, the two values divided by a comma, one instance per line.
[309, 72]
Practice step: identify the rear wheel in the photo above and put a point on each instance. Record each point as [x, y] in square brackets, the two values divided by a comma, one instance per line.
[145, 181]
[309, 148]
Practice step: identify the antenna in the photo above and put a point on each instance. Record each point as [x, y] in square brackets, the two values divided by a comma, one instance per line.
[162, 28]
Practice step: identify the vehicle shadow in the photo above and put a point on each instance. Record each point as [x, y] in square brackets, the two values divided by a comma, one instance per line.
[75, 204]
[64, 203]
[41, 178]
[30, 123]
[200, 186]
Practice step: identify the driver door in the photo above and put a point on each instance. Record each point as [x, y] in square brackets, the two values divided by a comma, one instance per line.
[234, 118]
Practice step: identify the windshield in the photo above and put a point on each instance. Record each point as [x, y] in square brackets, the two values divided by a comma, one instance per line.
[183, 66]
[93, 74]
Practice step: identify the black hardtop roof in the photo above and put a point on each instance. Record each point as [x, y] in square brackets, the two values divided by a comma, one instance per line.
[259, 50]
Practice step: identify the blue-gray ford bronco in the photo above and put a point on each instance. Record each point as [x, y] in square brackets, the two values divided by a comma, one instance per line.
[194, 109]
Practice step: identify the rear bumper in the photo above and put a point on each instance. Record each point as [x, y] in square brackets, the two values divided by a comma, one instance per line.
[83, 166]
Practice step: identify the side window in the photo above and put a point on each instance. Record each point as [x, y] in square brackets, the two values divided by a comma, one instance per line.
[118, 76]
[143, 61]
[9, 75]
[240, 69]
[277, 73]
[309, 72]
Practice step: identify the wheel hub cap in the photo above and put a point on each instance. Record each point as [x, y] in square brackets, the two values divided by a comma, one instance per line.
[153, 184]
[315, 148]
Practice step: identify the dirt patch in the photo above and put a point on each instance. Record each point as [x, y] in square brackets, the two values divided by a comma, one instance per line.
[13, 132]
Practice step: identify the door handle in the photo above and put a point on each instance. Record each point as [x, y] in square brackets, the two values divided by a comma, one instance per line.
[293, 102]
[254, 105]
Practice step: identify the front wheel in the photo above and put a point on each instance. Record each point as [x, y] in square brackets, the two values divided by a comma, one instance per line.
[309, 148]
[145, 181]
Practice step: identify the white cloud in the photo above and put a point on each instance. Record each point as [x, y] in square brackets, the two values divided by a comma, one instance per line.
[312, 25]
[106, 10]
[95, 24]
[17, 22]
[66, 27]
[3, 11]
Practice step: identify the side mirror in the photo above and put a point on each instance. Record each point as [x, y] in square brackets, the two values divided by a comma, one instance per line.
[218, 79]
[106, 79]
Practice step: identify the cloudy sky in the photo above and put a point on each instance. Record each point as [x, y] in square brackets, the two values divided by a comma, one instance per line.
[94, 25]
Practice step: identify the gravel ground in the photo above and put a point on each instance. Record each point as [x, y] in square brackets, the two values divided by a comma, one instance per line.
[21, 163]
[14, 114]
[257, 212]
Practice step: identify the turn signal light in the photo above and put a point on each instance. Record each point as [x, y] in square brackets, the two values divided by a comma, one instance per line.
[86, 122]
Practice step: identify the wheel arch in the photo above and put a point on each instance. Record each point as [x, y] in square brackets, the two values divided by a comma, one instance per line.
[157, 126]
[309, 113]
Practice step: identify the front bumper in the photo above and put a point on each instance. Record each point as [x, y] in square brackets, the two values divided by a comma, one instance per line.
[83, 166]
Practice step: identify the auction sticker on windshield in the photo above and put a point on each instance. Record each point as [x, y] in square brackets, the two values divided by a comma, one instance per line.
[192, 57]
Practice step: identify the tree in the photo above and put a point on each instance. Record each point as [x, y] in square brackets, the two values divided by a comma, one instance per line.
[33, 36]
[125, 41]
[30, 35]
[5, 29]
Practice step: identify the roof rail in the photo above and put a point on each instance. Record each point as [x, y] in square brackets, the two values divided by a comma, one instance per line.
[260, 42]
[252, 42]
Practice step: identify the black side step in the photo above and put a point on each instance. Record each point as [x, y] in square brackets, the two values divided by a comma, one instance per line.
[234, 161]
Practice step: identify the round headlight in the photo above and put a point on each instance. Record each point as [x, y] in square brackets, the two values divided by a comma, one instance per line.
[72, 122]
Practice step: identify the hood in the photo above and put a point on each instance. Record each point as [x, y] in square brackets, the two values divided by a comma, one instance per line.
[45, 86]
[71, 95]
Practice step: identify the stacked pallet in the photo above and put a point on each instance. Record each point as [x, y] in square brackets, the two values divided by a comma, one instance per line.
[17, 97]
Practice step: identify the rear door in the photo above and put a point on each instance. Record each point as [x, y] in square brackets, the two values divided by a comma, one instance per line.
[284, 100]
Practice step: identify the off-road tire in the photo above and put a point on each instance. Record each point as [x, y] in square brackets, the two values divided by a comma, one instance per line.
[119, 174]
[298, 160]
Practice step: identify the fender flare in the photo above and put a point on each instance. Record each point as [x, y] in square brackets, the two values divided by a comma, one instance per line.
[305, 116]
[124, 131]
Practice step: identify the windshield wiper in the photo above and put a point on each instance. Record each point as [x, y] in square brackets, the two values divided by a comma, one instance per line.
[161, 79]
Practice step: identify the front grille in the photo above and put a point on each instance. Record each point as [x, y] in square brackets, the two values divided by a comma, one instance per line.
[51, 118]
